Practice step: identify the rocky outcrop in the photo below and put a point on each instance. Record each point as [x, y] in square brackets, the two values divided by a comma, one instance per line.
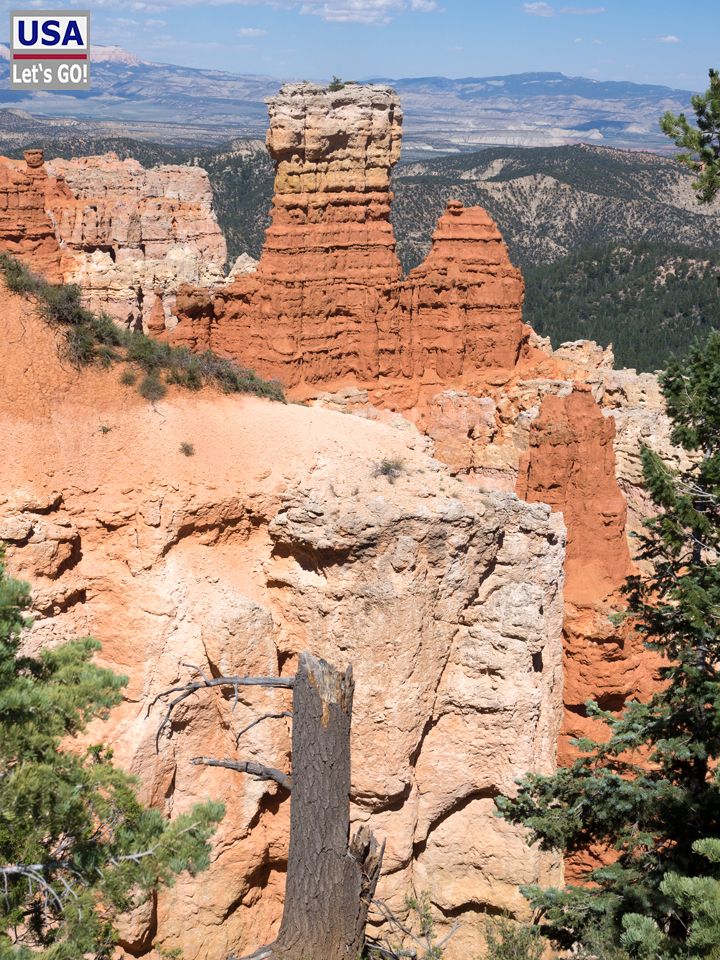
[334, 308]
[446, 347]
[130, 237]
[26, 230]
[570, 464]
[463, 304]
[283, 533]
[447, 595]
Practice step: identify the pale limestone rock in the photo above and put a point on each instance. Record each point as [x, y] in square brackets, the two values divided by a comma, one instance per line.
[132, 236]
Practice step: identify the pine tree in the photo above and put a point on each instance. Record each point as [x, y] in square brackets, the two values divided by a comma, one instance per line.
[701, 141]
[651, 793]
[77, 848]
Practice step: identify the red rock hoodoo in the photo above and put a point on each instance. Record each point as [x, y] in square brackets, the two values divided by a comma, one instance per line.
[328, 305]
[26, 230]
[570, 464]
[327, 309]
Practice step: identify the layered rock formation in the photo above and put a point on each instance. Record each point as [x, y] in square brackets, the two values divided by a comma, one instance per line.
[129, 237]
[282, 533]
[288, 535]
[327, 315]
[26, 230]
[327, 306]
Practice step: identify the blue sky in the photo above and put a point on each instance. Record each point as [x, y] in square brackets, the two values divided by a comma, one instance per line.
[663, 41]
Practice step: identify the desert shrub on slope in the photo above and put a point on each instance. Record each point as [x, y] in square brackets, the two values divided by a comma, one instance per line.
[96, 339]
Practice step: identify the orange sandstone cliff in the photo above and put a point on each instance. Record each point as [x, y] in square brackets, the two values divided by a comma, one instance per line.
[328, 306]
[328, 314]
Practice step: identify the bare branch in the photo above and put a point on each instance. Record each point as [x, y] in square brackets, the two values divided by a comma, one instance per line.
[258, 770]
[267, 716]
[187, 690]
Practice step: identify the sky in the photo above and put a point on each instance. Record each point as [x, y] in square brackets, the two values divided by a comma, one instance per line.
[663, 41]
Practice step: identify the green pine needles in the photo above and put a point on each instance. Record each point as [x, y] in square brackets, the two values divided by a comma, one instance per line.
[77, 848]
[700, 142]
[651, 793]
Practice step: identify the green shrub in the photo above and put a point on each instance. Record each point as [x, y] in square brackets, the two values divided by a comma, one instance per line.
[128, 378]
[17, 277]
[511, 941]
[390, 468]
[187, 449]
[78, 850]
[152, 387]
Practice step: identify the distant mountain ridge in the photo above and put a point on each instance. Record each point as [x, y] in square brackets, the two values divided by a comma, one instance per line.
[180, 105]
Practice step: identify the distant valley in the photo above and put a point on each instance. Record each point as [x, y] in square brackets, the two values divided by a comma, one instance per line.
[181, 106]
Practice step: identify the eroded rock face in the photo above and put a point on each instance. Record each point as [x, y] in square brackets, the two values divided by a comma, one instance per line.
[334, 308]
[447, 348]
[282, 533]
[570, 464]
[130, 237]
[447, 615]
[26, 230]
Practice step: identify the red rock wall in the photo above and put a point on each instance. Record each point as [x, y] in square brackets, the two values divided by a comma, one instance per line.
[328, 305]
[26, 231]
[570, 465]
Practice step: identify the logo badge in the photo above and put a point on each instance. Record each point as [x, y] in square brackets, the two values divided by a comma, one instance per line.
[50, 50]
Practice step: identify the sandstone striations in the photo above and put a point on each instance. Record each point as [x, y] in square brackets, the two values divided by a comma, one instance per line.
[327, 305]
[128, 236]
[26, 230]
[132, 236]
[446, 347]
[283, 533]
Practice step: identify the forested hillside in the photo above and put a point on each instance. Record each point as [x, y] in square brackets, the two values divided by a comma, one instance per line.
[649, 300]
[551, 201]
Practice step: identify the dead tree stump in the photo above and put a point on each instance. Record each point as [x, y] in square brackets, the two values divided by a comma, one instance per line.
[331, 878]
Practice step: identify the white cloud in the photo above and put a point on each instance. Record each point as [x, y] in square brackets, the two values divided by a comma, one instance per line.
[362, 11]
[583, 11]
[546, 10]
[333, 11]
[539, 9]
[669, 38]
[251, 32]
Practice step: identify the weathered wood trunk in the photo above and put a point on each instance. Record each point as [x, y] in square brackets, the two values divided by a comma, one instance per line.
[331, 878]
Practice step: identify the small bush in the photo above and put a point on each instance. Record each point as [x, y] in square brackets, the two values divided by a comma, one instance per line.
[17, 277]
[511, 941]
[128, 378]
[104, 428]
[152, 388]
[390, 468]
[187, 449]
